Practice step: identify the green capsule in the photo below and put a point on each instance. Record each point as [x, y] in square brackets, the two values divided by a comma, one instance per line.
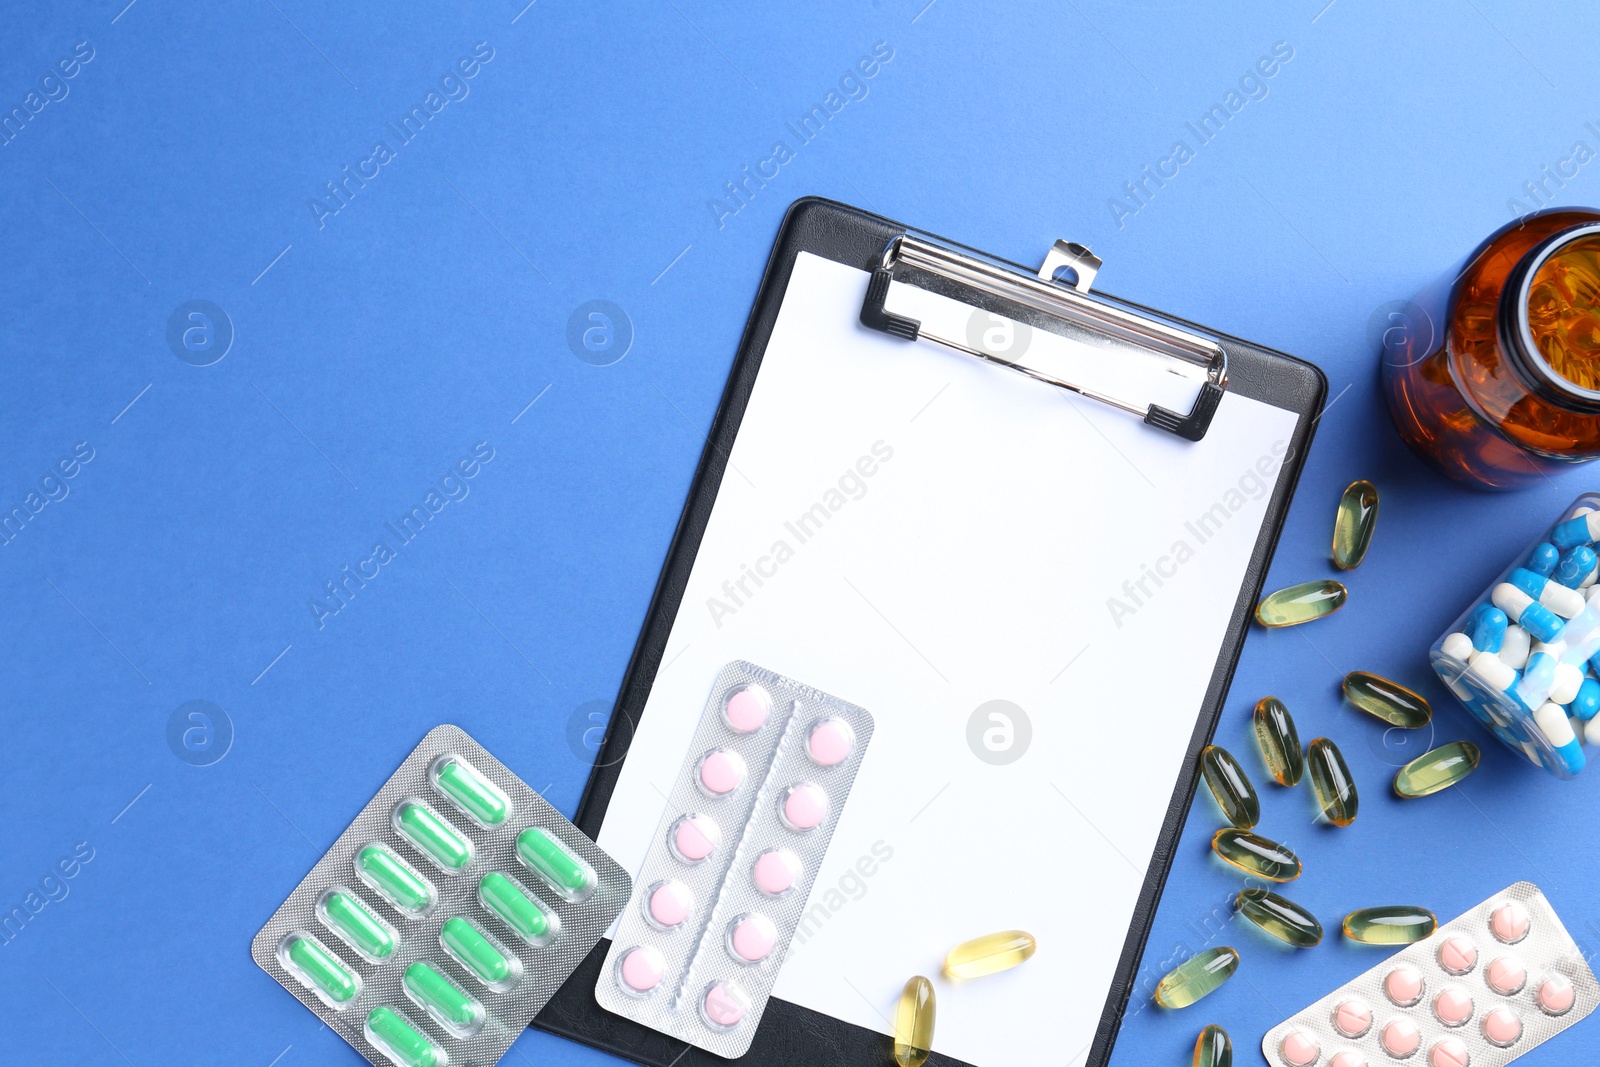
[1305, 602]
[319, 968]
[913, 1023]
[1353, 526]
[1256, 855]
[1196, 976]
[348, 916]
[1213, 1048]
[395, 880]
[1437, 769]
[528, 918]
[467, 789]
[443, 999]
[1331, 781]
[1280, 917]
[437, 839]
[1389, 701]
[559, 867]
[480, 953]
[1278, 741]
[1398, 924]
[1231, 788]
[390, 1032]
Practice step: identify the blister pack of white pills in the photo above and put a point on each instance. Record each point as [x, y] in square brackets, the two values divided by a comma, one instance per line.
[714, 907]
[446, 914]
[1482, 990]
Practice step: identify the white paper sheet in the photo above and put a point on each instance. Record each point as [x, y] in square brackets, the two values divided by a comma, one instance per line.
[921, 533]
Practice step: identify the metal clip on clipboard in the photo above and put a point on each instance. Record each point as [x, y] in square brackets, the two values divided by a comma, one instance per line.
[1069, 308]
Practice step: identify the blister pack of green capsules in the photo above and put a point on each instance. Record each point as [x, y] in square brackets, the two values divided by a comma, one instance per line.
[446, 914]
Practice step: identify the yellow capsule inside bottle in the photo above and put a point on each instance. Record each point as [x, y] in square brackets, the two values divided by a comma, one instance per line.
[1257, 855]
[1301, 603]
[1437, 769]
[989, 954]
[1230, 786]
[913, 1023]
[1354, 523]
[1331, 781]
[1278, 741]
[1213, 1048]
[1396, 924]
[1386, 700]
[1196, 976]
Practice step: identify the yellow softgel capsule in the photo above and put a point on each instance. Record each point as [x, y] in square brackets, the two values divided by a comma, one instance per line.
[1354, 523]
[1437, 769]
[1196, 976]
[1301, 603]
[913, 1023]
[989, 954]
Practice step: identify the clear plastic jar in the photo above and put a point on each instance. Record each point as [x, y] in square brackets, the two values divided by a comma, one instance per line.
[1494, 378]
[1537, 691]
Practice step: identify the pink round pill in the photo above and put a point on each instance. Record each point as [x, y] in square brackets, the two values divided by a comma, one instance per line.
[1299, 1049]
[642, 969]
[1502, 1028]
[775, 871]
[747, 709]
[1509, 922]
[1448, 1052]
[751, 938]
[830, 742]
[1352, 1018]
[1458, 955]
[694, 837]
[1403, 985]
[721, 772]
[1506, 976]
[1556, 995]
[668, 904]
[1348, 1059]
[1400, 1037]
[1453, 1006]
[804, 806]
[724, 1005]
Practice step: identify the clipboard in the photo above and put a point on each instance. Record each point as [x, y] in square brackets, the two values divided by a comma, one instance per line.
[986, 550]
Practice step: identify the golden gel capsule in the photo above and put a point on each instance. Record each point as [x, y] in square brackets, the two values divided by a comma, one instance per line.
[1353, 525]
[989, 954]
[1196, 976]
[1398, 924]
[1389, 701]
[1278, 741]
[1256, 855]
[1280, 917]
[1331, 781]
[1437, 769]
[1301, 603]
[1229, 785]
[913, 1023]
[1213, 1048]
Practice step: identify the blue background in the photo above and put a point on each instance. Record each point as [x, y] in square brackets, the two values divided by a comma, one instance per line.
[374, 349]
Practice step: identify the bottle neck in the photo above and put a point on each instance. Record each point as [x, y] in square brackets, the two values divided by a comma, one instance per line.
[1517, 342]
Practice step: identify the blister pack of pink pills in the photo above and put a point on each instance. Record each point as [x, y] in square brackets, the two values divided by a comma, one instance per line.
[1482, 990]
[699, 946]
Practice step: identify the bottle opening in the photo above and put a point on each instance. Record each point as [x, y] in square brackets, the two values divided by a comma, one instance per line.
[1563, 308]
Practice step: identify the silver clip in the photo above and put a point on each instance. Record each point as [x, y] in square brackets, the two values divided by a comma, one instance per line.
[1084, 263]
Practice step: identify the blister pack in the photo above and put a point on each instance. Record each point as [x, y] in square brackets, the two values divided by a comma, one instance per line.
[731, 867]
[446, 914]
[1483, 989]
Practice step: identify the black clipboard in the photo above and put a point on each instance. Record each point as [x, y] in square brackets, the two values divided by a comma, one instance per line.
[790, 1034]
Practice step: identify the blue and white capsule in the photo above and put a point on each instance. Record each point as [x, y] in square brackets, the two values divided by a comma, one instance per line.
[1531, 615]
[1552, 594]
[1587, 703]
[1551, 719]
[1492, 672]
[1539, 680]
[1543, 559]
[1577, 567]
[1488, 628]
[1578, 530]
[1514, 650]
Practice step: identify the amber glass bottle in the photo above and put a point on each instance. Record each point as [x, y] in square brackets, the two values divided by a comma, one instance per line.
[1501, 387]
